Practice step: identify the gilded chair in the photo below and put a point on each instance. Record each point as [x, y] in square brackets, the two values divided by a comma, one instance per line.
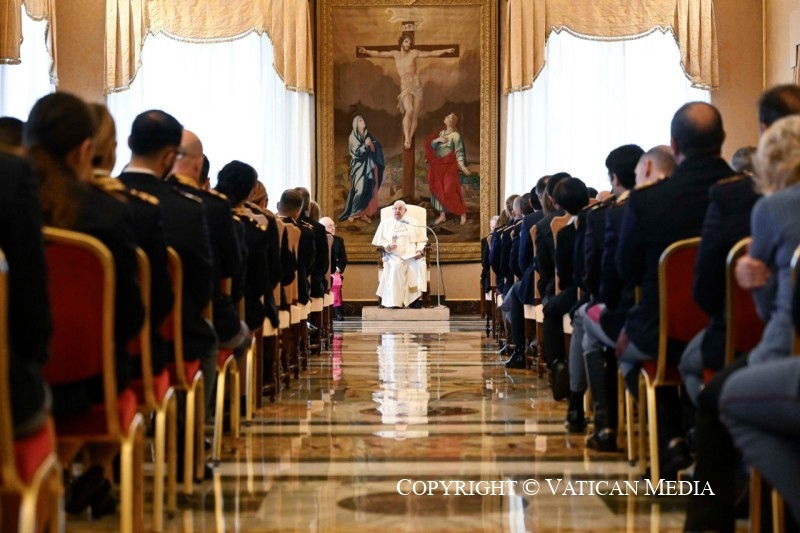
[81, 286]
[28, 466]
[680, 319]
[155, 395]
[186, 376]
[227, 382]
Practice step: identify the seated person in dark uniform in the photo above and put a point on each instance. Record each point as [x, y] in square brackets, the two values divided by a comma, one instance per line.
[155, 142]
[225, 249]
[29, 325]
[148, 231]
[58, 138]
[682, 200]
[11, 136]
[570, 195]
[499, 267]
[321, 260]
[236, 180]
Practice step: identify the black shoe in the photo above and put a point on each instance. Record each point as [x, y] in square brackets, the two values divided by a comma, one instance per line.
[87, 488]
[104, 503]
[576, 421]
[517, 360]
[416, 304]
[603, 441]
[560, 380]
[675, 459]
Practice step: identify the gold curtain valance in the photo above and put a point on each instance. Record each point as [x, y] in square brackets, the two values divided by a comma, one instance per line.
[529, 23]
[11, 29]
[287, 22]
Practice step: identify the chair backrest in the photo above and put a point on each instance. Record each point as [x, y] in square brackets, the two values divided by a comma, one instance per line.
[795, 274]
[8, 467]
[679, 316]
[413, 212]
[743, 325]
[141, 346]
[293, 234]
[172, 327]
[536, 295]
[80, 271]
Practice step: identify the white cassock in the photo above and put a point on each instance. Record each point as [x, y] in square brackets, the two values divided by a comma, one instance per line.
[403, 278]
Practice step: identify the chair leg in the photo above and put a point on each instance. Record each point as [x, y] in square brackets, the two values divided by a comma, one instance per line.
[131, 482]
[641, 414]
[158, 469]
[235, 401]
[249, 382]
[56, 520]
[172, 454]
[27, 511]
[778, 514]
[219, 413]
[189, 440]
[652, 424]
[756, 487]
[200, 430]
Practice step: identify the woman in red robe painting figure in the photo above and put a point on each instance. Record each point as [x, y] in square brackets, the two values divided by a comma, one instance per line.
[446, 156]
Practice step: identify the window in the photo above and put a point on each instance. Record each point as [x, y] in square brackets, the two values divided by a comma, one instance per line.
[22, 84]
[229, 94]
[591, 97]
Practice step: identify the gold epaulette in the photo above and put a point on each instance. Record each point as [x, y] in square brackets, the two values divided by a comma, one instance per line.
[647, 185]
[731, 179]
[110, 186]
[184, 180]
[622, 198]
[188, 196]
[236, 218]
[144, 197]
[217, 194]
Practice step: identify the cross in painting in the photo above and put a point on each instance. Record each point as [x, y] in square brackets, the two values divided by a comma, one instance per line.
[409, 101]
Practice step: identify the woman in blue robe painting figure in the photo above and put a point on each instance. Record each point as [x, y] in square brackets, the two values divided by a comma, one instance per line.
[366, 173]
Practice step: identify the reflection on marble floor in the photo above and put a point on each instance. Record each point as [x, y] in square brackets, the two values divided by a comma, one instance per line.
[404, 402]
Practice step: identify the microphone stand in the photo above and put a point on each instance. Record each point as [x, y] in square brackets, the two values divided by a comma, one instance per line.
[440, 280]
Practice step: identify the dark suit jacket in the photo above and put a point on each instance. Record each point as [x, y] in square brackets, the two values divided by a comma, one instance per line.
[29, 320]
[186, 230]
[593, 236]
[305, 258]
[257, 284]
[338, 255]
[321, 262]
[727, 221]
[656, 216]
[513, 256]
[565, 256]
[526, 259]
[616, 293]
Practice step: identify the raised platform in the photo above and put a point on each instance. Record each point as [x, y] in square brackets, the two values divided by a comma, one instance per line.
[428, 315]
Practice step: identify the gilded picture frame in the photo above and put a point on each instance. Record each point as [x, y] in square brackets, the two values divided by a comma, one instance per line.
[407, 100]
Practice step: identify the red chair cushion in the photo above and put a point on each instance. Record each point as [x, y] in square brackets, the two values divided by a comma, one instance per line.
[223, 356]
[190, 368]
[93, 422]
[30, 452]
[595, 312]
[161, 383]
[684, 317]
[708, 375]
[75, 285]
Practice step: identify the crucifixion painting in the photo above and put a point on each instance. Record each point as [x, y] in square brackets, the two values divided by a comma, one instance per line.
[409, 101]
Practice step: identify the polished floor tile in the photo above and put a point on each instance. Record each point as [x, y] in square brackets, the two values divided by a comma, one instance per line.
[392, 404]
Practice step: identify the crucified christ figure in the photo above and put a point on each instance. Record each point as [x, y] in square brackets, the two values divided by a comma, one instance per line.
[409, 101]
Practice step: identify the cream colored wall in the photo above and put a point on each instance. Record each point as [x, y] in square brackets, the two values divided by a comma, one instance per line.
[740, 43]
[782, 36]
[80, 35]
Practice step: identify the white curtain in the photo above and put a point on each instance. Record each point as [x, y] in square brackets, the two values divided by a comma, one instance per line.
[229, 94]
[591, 97]
[22, 84]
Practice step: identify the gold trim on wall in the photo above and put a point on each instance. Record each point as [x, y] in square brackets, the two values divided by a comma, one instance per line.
[489, 67]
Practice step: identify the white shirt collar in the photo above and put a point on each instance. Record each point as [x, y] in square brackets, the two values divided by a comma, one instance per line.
[139, 170]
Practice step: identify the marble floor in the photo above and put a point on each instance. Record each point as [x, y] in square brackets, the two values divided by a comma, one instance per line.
[417, 402]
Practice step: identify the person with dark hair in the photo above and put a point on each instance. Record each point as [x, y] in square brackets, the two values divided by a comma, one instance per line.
[545, 266]
[682, 199]
[778, 102]
[227, 252]
[148, 230]
[592, 192]
[11, 136]
[236, 181]
[569, 195]
[155, 141]
[321, 260]
[608, 300]
[58, 140]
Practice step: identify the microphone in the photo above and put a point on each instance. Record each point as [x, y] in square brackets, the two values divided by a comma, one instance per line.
[440, 280]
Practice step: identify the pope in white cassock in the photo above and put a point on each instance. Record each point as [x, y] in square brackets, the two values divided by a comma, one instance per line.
[404, 275]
